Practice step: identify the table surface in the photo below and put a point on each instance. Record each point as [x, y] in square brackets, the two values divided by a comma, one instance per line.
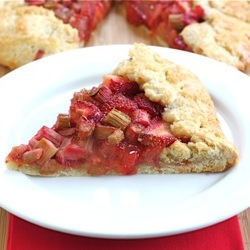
[110, 33]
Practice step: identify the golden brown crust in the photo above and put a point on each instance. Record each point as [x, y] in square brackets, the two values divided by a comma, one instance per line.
[239, 9]
[35, 170]
[224, 35]
[25, 30]
[221, 37]
[187, 108]
[3, 71]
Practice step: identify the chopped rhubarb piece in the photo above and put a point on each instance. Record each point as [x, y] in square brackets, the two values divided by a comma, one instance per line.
[66, 131]
[117, 119]
[116, 137]
[93, 91]
[62, 121]
[32, 143]
[104, 94]
[33, 155]
[66, 141]
[49, 150]
[49, 134]
[103, 131]
[175, 20]
[83, 95]
[157, 135]
[18, 151]
[141, 116]
[85, 128]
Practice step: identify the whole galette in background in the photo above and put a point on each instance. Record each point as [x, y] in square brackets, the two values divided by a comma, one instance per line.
[31, 29]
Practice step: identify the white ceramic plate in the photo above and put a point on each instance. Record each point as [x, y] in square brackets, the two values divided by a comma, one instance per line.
[119, 206]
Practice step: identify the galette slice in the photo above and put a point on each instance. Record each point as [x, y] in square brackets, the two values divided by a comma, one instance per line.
[149, 116]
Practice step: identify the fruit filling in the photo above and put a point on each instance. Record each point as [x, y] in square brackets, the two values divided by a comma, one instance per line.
[165, 19]
[110, 128]
[82, 15]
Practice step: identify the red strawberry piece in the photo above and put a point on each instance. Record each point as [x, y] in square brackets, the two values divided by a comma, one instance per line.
[119, 102]
[84, 109]
[39, 54]
[103, 131]
[71, 152]
[144, 12]
[184, 139]
[127, 162]
[194, 15]
[140, 116]
[157, 135]
[151, 155]
[119, 84]
[152, 108]
[133, 131]
[121, 157]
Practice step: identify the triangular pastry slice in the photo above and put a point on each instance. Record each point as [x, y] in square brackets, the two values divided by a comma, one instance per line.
[149, 116]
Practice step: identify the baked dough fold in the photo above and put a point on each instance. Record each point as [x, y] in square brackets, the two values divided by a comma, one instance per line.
[27, 30]
[189, 110]
[224, 35]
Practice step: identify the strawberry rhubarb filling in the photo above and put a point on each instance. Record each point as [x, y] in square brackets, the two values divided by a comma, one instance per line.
[165, 19]
[112, 128]
[82, 15]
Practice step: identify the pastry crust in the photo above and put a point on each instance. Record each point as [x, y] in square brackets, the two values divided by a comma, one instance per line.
[224, 35]
[221, 37]
[26, 30]
[239, 9]
[187, 108]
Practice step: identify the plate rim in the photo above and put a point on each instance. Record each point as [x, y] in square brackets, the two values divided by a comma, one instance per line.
[125, 48]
